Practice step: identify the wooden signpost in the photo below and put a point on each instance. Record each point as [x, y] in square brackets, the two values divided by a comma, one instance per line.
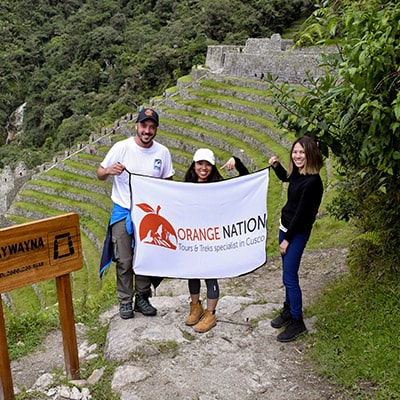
[33, 252]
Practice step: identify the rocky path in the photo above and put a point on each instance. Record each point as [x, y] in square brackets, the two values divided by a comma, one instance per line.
[240, 359]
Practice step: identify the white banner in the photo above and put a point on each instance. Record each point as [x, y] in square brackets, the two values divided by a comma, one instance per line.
[199, 230]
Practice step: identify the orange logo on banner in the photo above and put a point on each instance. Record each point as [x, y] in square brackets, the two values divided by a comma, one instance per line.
[155, 229]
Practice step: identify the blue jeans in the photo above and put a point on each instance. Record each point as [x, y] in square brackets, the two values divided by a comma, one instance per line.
[290, 275]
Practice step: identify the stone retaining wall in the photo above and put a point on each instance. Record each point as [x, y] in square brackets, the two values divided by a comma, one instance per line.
[268, 55]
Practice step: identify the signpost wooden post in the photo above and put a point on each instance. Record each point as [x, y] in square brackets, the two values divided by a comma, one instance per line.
[33, 252]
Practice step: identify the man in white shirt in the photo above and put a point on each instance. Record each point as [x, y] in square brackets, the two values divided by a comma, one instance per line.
[139, 154]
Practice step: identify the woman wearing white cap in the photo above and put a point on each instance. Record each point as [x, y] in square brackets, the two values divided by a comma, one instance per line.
[203, 169]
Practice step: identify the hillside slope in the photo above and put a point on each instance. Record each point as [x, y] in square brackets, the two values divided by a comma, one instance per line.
[231, 116]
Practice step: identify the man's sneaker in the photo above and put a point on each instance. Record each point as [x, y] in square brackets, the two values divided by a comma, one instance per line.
[126, 311]
[142, 305]
[207, 321]
[196, 312]
[283, 318]
[293, 330]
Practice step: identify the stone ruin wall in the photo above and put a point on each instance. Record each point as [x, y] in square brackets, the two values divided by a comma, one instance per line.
[11, 182]
[268, 55]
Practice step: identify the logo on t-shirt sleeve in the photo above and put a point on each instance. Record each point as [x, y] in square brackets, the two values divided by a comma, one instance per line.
[157, 164]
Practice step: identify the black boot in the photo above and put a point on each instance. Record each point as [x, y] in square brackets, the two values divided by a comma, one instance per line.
[125, 310]
[142, 305]
[293, 330]
[283, 318]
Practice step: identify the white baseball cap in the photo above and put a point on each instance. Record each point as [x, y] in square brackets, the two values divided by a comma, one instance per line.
[204, 154]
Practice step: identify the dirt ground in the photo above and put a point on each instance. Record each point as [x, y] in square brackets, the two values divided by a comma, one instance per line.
[248, 358]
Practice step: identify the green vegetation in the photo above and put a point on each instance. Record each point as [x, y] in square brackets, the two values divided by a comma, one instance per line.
[354, 113]
[26, 331]
[80, 65]
[76, 177]
[357, 338]
[60, 188]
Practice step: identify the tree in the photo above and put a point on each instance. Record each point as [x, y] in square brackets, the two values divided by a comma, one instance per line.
[73, 128]
[354, 112]
[73, 58]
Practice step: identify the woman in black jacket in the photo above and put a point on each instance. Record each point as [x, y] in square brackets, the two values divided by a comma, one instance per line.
[297, 218]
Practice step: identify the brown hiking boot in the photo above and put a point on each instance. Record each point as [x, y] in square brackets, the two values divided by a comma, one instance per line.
[208, 321]
[196, 312]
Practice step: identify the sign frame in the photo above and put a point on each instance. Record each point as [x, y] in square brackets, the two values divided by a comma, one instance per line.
[38, 251]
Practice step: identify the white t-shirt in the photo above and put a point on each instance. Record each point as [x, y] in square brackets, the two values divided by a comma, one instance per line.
[153, 161]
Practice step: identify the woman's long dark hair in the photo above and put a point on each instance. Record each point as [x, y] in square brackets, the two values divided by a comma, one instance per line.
[313, 162]
[191, 175]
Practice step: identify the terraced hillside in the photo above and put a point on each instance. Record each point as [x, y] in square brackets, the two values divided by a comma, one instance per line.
[230, 116]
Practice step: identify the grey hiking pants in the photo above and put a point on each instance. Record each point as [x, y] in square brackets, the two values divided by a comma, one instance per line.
[123, 253]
